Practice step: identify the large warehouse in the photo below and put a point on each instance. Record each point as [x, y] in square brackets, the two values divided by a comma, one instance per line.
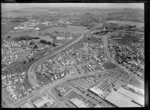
[120, 100]
[134, 97]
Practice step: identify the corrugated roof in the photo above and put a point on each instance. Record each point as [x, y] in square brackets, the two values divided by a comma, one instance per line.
[96, 90]
[27, 105]
[40, 103]
[136, 88]
[137, 98]
[120, 100]
[77, 102]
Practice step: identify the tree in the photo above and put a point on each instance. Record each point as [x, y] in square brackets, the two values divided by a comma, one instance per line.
[8, 37]
[24, 62]
[31, 43]
[35, 47]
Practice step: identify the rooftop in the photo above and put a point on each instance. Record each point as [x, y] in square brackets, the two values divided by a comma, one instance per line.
[77, 102]
[120, 100]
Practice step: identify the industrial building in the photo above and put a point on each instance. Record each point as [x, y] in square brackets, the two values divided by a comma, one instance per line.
[63, 90]
[27, 105]
[40, 103]
[120, 100]
[77, 102]
[134, 97]
[101, 88]
[98, 106]
[96, 91]
[43, 101]
[136, 89]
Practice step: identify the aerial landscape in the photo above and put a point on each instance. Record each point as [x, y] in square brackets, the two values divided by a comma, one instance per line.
[72, 55]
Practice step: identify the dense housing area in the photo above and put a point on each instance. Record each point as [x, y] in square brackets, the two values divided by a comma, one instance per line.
[72, 58]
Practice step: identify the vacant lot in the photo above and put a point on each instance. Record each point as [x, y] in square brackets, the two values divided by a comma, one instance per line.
[109, 65]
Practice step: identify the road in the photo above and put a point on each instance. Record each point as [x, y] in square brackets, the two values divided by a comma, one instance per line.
[106, 50]
[31, 74]
[58, 49]
[49, 86]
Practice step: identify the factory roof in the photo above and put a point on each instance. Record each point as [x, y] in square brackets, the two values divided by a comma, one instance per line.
[77, 102]
[136, 88]
[40, 103]
[120, 100]
[96, 90]
[135, 97]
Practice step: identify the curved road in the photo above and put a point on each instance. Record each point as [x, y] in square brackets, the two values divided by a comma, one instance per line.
[106, 50]
[31, 73]
[49, 86]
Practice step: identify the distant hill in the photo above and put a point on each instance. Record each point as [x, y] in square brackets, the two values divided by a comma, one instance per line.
[124, 14]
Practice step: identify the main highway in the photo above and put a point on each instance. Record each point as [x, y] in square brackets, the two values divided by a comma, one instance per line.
[48, 87]
[32, 76]
[31, 73]
[106, 50]
[31, 70]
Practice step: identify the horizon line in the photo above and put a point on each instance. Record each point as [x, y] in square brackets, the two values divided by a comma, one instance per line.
[17, 6]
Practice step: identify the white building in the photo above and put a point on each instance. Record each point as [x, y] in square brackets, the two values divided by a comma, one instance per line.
[134, 97]
[77, 102]
[120, 100]
[136, 89]
[97, 91]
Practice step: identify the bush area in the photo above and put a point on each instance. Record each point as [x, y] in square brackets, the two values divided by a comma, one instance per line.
[25, 38]
[45, 42]
[127, 40]
[18, 19]
[48, 43]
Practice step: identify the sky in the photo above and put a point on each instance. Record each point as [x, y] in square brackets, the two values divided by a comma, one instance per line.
[12, 6]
